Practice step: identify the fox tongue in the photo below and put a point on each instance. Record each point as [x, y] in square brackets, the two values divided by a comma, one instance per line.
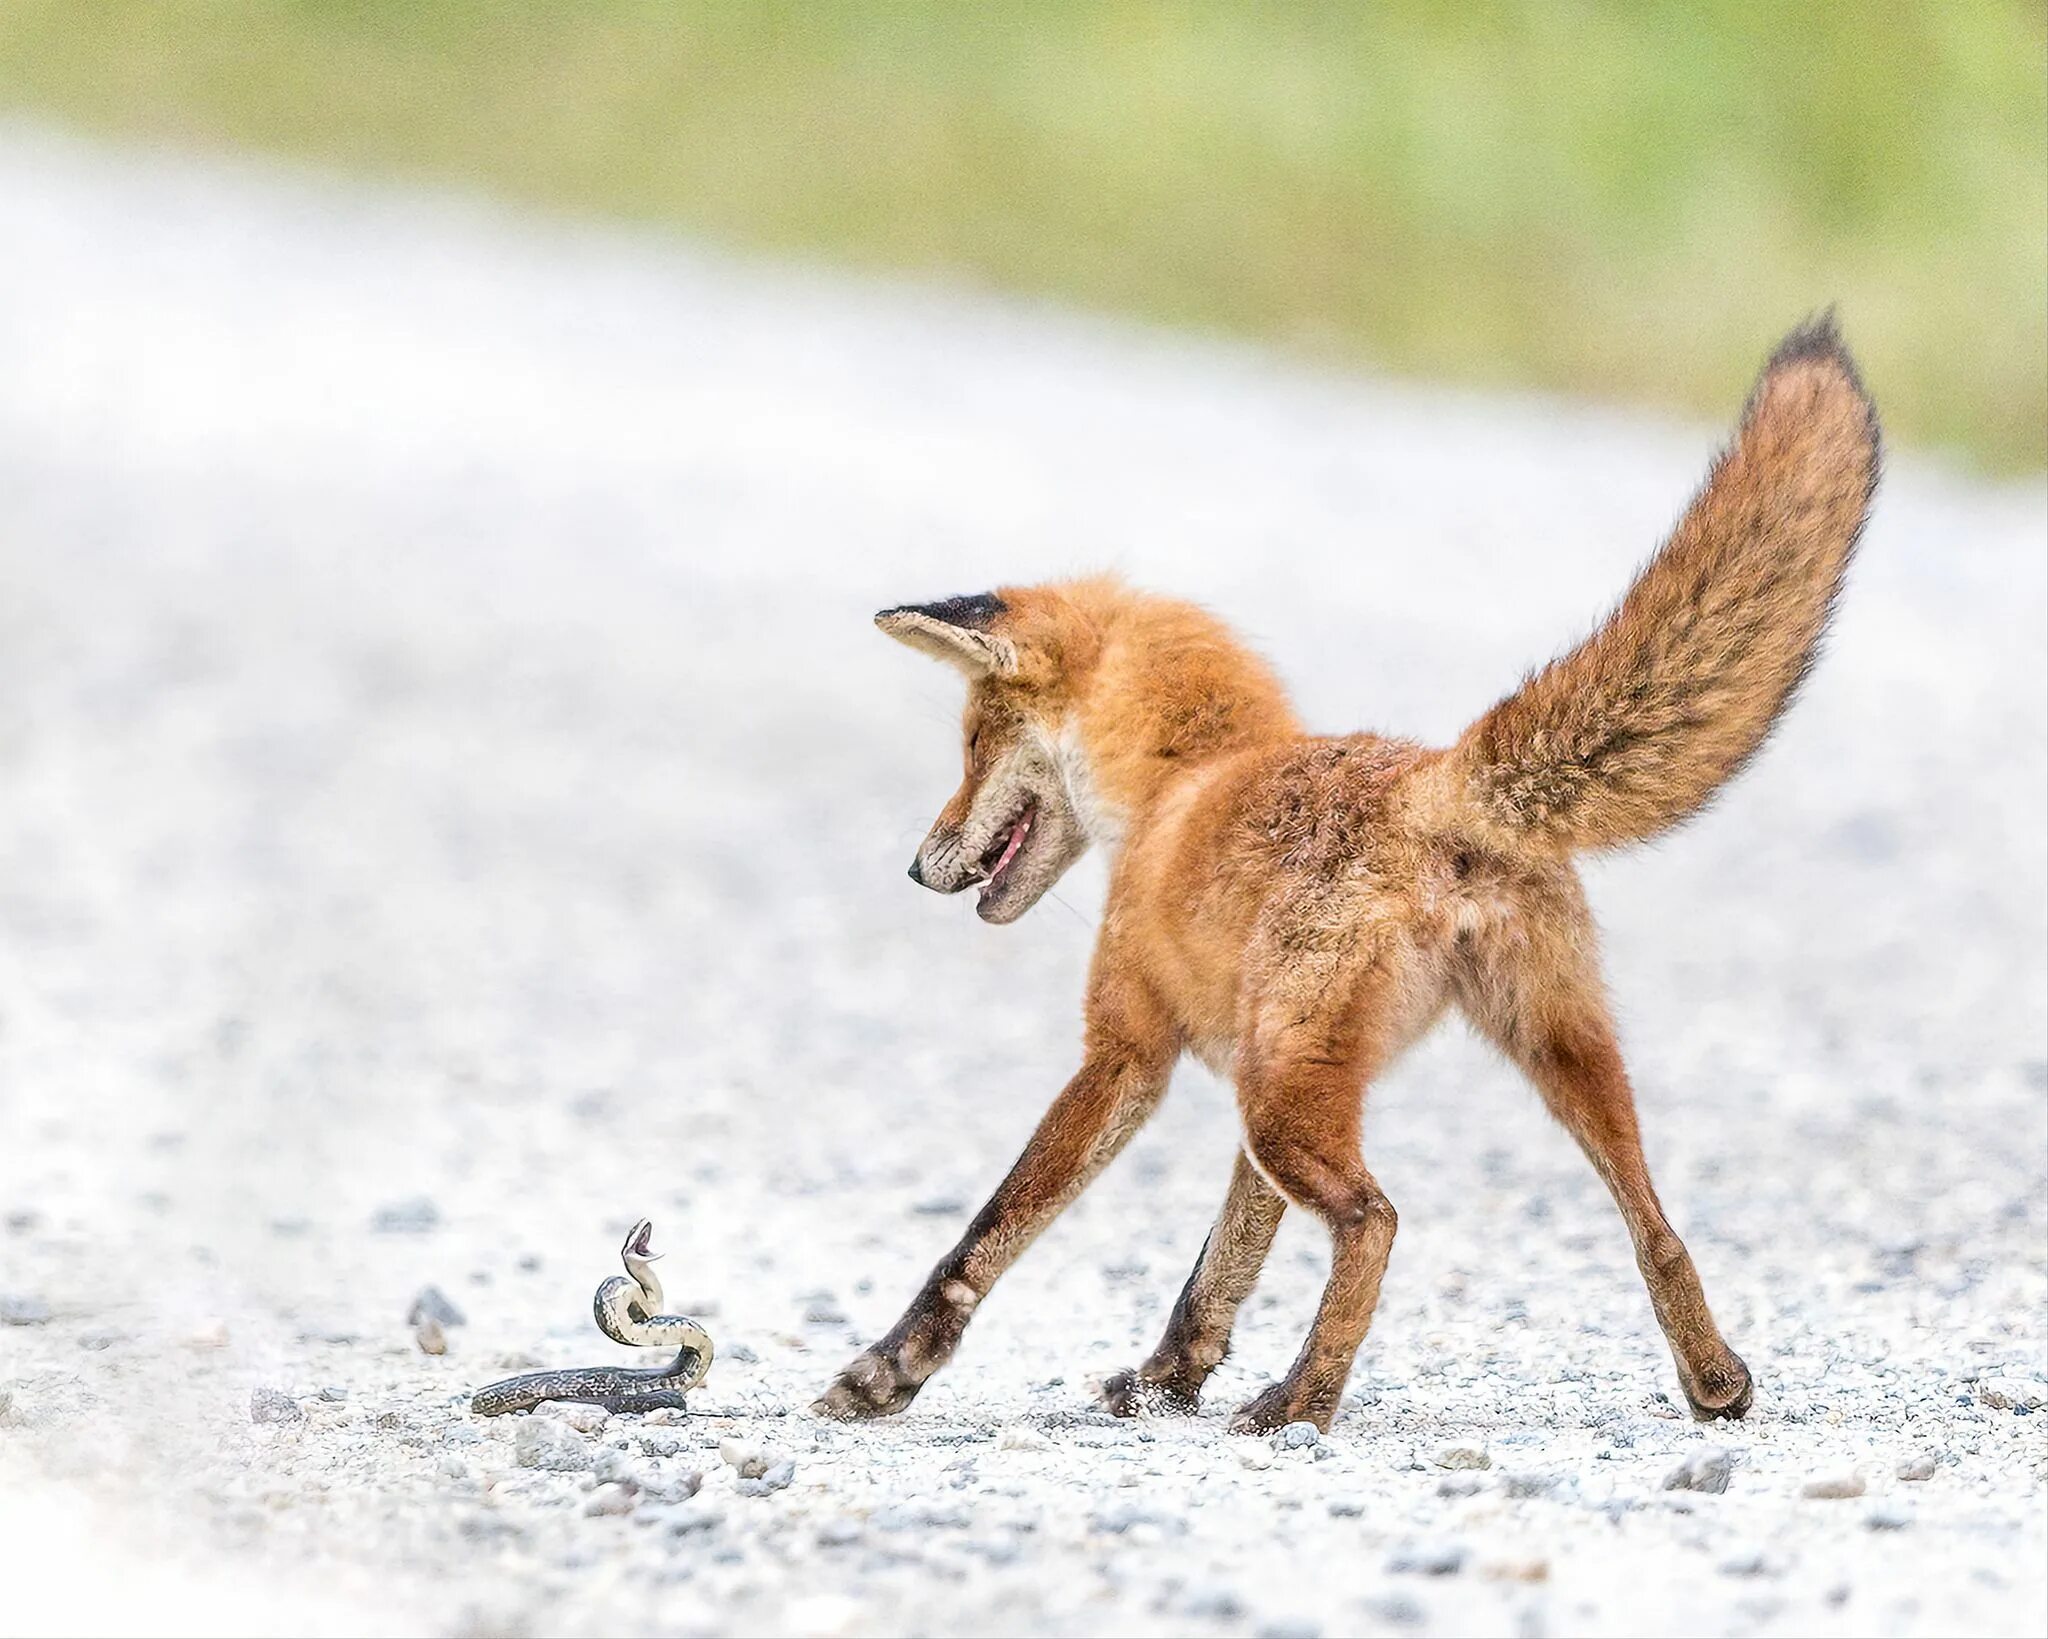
[1010, 848]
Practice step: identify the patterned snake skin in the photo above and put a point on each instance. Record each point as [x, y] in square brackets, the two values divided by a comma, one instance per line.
[628, 1310]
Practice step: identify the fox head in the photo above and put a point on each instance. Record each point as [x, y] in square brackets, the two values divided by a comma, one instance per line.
[1083, 700]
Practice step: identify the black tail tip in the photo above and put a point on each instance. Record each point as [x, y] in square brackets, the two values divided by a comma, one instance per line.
[1820, 337]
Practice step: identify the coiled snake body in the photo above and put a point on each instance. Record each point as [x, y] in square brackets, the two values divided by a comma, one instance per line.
[628, 1310]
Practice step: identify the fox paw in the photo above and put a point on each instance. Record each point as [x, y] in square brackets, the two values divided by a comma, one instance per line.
[1724, 1392]
[872, 1386]
[1276, 1407]
[1131, 1394]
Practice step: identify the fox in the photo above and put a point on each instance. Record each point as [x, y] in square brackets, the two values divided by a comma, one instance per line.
[1297, 909]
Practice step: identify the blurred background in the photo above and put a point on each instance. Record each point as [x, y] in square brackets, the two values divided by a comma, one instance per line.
[1595, 197]
[453, 800]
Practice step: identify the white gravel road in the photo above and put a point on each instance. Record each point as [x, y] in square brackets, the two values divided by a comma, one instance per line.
[446, 771]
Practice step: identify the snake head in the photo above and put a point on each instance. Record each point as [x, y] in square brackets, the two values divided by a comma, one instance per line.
[639, 1241]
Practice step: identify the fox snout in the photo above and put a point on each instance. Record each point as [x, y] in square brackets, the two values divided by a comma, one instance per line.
[942, 864]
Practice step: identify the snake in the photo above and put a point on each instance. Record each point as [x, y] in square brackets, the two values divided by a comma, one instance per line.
[627, 1309]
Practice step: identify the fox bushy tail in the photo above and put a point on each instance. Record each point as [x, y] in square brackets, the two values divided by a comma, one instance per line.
[1636, 728]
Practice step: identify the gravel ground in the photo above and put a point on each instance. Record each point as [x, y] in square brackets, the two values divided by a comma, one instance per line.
[454, 804]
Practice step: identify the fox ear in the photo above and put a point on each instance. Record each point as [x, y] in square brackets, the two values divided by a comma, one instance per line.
[959, 630]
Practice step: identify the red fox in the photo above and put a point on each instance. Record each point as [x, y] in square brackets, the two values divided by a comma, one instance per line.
[1296, 909]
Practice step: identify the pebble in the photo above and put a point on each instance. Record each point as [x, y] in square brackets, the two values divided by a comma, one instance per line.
[583, 1417]
[750, 1460]
[677, 1519]
[270, 1405]
[434, 1304]
[1921, 1467]
[1833, 1486]
[1888, 1516]
[612, 1499]
[414, 1215]
[775, 1478]
[429, 1336]
[541, 1442]
[1296, 1437]
[660, 1444]
[19, 1309]
[1428, 1559]
[334, 1394]
[1347, 1508]
[939, 1206]
[1462, 1456]
[1256, 1456]
[2012, 1394]
[1706, 1469]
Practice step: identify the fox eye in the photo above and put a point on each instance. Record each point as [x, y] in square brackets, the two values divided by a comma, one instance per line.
[974, 746]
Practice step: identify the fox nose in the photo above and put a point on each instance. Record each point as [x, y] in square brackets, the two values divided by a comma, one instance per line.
[917, 868]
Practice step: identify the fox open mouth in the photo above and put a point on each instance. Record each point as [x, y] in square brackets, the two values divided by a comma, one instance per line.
[1002, 854]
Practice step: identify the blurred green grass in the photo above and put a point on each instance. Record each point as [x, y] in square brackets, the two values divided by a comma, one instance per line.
[1630, 200]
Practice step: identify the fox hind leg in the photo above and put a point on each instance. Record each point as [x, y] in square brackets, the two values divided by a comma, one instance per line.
[1198, 1331]
[1538, 997]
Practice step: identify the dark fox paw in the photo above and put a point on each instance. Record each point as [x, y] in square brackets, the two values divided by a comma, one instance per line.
[1131, 1394]
[1725, 1391]
[1276, 1407]
[872, 1386]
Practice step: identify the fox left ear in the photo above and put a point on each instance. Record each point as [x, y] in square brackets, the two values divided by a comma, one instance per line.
[959, 630]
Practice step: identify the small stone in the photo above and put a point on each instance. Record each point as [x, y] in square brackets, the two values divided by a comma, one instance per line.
[22, 1219]
[1022, 1437]
[1748, 1562]
[1460, 1485]
[433, 1304]
[208, 1334]
[1706, 1469]
[1921, 1467]
[1347, 1508]
[1297, 1437]
[1428, 1559]
[660, 1444]
[1524, 1487]
[269, 1405]
[939, 1206]
[582, 1417]
[774, 1478]
[750, 1460]
[1833, 1486]
[334, 1394]
[1397, 1611]
[1256, 1456]
[1887, 1516]
[1517, 1570]
[839, 1533]
[2012, 1394]
[414, 1215]
[541, 1442]
[609, 1501]
[453, 1466]
[1462, 1456]
[678, 1520]
[824, 1312]
[429, 1336]
[742, 1353]
[22, 1310]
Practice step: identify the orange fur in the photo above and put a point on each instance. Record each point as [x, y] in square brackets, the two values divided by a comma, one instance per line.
[1298, 909]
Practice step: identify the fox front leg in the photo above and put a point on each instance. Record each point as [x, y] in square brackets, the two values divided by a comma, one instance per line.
[1106, 1102]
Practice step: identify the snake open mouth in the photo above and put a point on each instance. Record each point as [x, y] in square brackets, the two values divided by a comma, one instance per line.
[1002, 854]
[639, 1243]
